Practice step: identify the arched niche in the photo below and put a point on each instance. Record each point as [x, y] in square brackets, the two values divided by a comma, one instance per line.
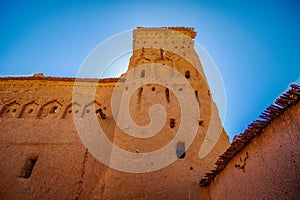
[71, 109]
[30, 110]
[89, 108]
[10, 110]
[50, 109]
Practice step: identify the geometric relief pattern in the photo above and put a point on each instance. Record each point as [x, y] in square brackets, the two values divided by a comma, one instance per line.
[10, 110]
[30, 110]
[71, 109]
[51, 109]
[89, 107]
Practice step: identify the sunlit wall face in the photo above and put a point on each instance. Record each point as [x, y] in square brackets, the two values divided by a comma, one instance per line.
[256, 46]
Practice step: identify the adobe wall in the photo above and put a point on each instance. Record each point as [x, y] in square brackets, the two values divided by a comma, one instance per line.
[37, 125]
[36, 122]
[268, 167]
[180, 179]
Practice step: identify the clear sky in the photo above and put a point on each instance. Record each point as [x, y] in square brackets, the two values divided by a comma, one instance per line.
[255, 44]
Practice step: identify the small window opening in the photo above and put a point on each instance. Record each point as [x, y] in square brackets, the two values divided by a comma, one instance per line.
[142, 73]
[143, 51]
[140, 92]
[30, 110]
[101, 113]
[187, 74]
[208, 93]
[14, 110]
[167, 94]
[153, 88]
[172, 122]
[53, 109]
[28, 167]
[191, 168]
[180, 150]
[162, 53]
[70, 111]
[196, 94]
[200, 122]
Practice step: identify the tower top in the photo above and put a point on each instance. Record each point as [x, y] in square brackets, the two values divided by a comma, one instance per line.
[189, 31]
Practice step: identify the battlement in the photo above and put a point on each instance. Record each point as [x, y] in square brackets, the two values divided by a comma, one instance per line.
[189, 31]
[179, 40]
[165, 45]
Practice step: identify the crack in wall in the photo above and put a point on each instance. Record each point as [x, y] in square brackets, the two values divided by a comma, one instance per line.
[243, 163]
[84, 161]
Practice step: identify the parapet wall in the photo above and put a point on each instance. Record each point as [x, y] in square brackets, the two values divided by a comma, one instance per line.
[189, 31]
[158, 38]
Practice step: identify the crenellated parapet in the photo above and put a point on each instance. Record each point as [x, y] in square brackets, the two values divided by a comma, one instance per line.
[189, 31]
[172, 47]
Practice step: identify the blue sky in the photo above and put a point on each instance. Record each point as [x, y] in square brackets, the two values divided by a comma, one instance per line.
[255, 44]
